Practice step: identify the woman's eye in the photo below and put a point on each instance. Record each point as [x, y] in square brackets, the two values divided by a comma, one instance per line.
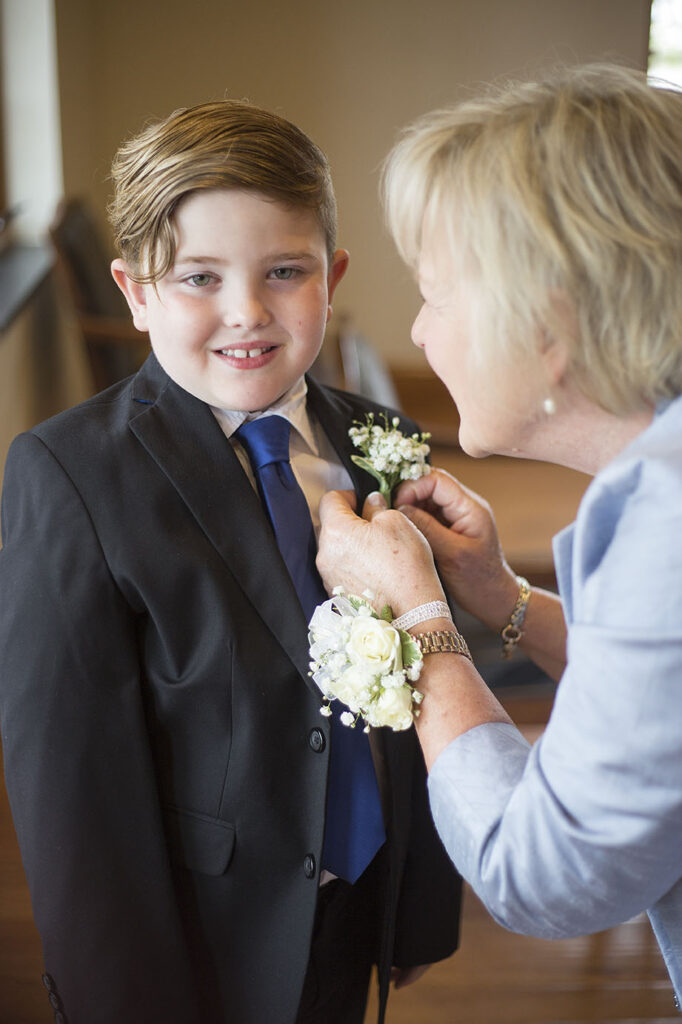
[284, 273]
[199, 280]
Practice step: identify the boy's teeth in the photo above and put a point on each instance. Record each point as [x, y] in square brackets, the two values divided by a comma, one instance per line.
[243, 353]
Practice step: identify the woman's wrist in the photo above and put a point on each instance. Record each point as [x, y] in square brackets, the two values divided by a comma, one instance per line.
[416, 596]
[496, 601]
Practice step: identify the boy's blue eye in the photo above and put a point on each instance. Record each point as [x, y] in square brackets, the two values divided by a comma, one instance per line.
[199, 280]
[284, 273]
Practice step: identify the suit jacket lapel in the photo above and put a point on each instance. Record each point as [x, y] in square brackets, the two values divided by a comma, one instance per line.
[185, 440]
[336, 412]
[393, 753]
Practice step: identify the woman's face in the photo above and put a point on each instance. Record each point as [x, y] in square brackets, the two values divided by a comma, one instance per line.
[499, 400]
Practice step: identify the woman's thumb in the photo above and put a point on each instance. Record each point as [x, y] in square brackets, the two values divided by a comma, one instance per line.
[436, 534]
[374, 502]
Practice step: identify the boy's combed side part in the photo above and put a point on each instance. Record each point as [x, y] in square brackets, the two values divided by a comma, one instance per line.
[220, 145]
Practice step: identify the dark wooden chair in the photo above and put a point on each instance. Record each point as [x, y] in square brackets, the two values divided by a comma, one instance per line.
[115, 348]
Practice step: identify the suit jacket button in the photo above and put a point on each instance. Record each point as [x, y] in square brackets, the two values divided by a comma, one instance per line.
[317, 741]
[309, 866]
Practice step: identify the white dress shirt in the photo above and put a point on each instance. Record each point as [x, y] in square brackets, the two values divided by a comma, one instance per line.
[314, 461]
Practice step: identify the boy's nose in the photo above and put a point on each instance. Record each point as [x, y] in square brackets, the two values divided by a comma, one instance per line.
[245, 308]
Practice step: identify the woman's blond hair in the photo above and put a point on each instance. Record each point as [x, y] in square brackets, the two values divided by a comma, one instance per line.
[220, 145]
[562, 191]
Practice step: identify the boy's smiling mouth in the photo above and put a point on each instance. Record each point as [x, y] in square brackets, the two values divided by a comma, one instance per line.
[247, 357]
[245, 353]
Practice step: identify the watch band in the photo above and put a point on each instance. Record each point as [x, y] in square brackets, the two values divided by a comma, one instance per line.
[443, 641]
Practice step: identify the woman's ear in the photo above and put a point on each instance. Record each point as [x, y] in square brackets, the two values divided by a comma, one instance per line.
[558, 337]
[135, 293]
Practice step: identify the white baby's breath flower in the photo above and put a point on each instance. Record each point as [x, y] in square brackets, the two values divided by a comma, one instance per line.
[387, 454]
[347, 718]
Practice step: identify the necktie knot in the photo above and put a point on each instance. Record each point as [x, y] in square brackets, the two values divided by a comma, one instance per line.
[266, 440]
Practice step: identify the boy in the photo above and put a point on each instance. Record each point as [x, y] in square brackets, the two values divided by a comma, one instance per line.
[165, 757]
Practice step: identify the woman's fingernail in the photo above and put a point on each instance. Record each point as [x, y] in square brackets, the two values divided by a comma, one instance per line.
[376, 498]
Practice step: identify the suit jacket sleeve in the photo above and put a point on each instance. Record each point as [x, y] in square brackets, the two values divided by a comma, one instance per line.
[77, 762]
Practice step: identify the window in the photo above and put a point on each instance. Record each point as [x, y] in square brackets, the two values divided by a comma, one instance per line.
[3, 190]
[30, 116]
[665, 41]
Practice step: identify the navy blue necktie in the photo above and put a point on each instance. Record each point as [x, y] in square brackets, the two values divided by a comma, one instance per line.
[354, 828]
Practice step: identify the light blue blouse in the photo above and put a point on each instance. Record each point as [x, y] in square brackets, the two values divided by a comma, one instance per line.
[584, 829]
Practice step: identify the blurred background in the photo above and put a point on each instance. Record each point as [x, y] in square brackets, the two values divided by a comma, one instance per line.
[79, 76]
[351, 75]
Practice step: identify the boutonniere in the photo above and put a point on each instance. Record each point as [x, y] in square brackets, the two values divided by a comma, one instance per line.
[388, 454]
[361, 659]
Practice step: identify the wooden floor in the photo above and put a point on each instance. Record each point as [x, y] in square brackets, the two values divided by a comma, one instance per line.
[495, 978]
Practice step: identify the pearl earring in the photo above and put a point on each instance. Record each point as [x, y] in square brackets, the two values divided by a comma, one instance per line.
[549, 406]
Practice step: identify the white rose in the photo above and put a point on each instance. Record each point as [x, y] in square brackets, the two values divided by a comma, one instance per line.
[374, 644]
[350, 687]
[394, 708]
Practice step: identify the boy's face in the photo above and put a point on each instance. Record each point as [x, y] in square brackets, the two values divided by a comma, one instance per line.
[241, 315]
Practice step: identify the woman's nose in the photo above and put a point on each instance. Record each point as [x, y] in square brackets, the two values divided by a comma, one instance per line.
[417, 332]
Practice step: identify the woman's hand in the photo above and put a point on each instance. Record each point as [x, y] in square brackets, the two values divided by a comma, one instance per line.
[460, 528]
[383, 553]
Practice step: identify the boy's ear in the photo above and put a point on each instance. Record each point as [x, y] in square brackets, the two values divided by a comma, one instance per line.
[135, 294]
[338, 268]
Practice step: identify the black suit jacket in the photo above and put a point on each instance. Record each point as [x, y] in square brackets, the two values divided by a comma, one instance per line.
[164, 753]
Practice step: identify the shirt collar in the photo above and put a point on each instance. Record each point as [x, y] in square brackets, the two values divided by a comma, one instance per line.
[292, 406]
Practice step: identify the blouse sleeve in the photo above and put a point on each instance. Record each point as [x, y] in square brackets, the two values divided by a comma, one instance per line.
[582, 831]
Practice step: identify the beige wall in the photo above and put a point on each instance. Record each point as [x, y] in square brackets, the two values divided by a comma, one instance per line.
[351, 74]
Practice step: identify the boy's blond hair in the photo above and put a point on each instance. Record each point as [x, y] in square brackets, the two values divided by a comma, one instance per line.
[220, 145]
[563, 192]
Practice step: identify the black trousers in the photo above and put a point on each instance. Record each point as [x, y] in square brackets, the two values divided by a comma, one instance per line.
[344, 947]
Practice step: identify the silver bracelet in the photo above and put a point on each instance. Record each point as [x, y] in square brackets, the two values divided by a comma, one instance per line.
[432, 610]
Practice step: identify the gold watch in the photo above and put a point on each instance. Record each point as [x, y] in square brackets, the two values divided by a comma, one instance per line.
[443, 641]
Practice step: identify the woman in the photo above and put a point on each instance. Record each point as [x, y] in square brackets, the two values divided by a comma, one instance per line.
[545, 227]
